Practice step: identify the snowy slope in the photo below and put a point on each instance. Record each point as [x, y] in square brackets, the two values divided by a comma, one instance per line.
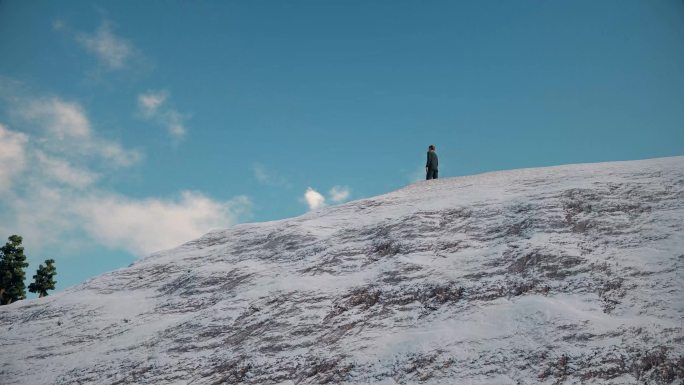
[568, 274]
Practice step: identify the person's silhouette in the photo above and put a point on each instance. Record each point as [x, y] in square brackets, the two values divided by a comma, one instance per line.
[431, 165]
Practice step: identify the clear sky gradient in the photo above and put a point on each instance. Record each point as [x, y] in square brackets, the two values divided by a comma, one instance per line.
[130, 126]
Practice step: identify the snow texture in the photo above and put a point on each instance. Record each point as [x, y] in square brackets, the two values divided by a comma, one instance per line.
[569, 274]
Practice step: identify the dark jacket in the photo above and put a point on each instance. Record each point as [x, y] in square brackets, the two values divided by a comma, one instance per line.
[431, 160]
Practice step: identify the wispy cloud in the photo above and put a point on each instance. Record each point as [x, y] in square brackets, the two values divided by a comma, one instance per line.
[261, 174]
[339, 193]
[67, 130]
[112, 51]
[150, 102]
[12, 156]
[53, 170]
[63, 119]
[314, 199]
[62, 171]
[58, 24]
[266, 176]
[153, 106]
[116, 53]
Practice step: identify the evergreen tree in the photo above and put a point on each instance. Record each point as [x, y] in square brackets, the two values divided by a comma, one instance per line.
[43, 280]
[12, 264]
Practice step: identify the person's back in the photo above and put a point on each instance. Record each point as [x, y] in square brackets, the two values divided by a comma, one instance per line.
[432, 163]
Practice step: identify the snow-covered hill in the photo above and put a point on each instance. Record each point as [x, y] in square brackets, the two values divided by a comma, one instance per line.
[568, 274]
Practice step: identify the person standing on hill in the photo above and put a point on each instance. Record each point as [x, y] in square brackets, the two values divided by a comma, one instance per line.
[431, 165]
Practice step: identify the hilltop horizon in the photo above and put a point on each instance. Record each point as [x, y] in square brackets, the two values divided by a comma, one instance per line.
[532, 275]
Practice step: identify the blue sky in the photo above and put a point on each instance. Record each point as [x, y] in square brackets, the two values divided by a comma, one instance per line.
[129, 126]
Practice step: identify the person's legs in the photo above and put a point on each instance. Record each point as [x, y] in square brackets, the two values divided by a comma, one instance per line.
[431, 174]
[434, 174]
[428, 174]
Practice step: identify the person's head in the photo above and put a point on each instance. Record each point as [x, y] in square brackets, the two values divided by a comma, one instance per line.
[431, 148]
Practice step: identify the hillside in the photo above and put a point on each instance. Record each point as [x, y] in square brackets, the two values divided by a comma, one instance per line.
[569, 274]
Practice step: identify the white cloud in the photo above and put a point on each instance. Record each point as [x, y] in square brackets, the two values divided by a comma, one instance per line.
[150, 101]
[114, 153]
[314, 199]
[63, 119]
[12, 155]
[50, 214]
[111, 50]
[174, 123]
[68, 131]
[153, 106]
[62, 171]
[40, 211]
[148, 225]
[60, 199]
[339, 193]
